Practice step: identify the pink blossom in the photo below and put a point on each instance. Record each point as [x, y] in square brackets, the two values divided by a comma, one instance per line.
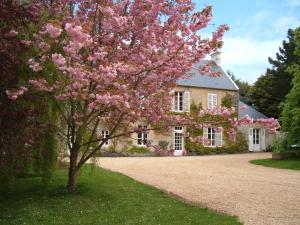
[14, 94]
[26, 42]
[13, 33]
[35, 66]
[53, 31]
[58, 59]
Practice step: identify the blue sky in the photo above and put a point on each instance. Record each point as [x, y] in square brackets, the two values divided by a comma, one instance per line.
[257, 29]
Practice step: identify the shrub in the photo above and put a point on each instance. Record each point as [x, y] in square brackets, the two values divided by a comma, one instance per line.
[137, 149]
[163, 145]
[240, 145]
[280, 144]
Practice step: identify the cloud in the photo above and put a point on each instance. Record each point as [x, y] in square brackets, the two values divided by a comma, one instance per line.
[284, 23]
[246, 57]
[293, 2]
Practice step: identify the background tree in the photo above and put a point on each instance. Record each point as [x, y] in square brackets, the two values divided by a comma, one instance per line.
[244, 88]
[270, 90]
[24, 145]
[291, 109]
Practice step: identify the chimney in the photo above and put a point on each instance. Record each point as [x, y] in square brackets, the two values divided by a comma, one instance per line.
[216, 57]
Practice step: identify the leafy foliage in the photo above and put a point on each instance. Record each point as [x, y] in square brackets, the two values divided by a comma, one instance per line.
[239, 145]
[138, 149]
[270, 90]
[291, 108]
[24, 145]
[231, 146]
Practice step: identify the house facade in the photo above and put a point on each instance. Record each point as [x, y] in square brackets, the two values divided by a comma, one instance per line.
[201, 90]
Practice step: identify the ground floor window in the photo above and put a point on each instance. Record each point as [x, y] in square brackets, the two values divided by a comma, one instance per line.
[142, 136]
[214, 136]
[105, 134]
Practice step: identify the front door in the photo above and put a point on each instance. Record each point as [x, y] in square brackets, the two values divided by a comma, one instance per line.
[178, 141]
[256, 140]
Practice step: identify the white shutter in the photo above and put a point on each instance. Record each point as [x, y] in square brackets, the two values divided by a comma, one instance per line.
[186, 101]
[250, 139]
[205, 134]
[215, 100]
[219, 137]
[208, 101]
[263, 139]
[172, 94]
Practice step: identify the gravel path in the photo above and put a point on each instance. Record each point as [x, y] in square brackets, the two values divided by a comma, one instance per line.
[257, 194]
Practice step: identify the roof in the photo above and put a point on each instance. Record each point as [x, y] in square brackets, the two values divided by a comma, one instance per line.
[250, 111]
[206, 81]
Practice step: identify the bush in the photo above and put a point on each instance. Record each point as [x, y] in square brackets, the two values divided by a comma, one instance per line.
[240, 145]
[280, 144]
[163, 145]
[137, 149]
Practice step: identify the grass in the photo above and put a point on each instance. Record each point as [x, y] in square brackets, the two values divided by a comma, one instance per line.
[103, 197]
[293, 164]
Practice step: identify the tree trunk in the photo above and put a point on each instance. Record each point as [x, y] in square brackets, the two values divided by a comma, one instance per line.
[72, 172]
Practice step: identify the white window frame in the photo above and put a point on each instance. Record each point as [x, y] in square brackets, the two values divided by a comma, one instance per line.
[211, 135]
[178, 101]
[178, 130]
[212, 100]
[142, 136]
[105, 134]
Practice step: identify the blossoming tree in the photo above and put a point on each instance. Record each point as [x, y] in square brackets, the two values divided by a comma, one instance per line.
[115, 61]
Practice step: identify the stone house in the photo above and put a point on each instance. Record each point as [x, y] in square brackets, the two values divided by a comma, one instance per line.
[201, 90]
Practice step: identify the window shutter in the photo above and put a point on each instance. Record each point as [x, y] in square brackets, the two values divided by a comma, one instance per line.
[208, 100]
[219, 137]
[215, 100]
[172, 94]
[205, 132]
[263, 139]
[250, 139]
[186, 101]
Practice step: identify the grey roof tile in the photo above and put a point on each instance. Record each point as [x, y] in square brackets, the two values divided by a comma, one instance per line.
[206, 81]
[250, 111]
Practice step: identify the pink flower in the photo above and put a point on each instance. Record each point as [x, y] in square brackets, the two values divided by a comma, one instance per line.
[53, 31]
[58, 59]
[35, 66]
[26, 42]
[13, 33]
[14, 94]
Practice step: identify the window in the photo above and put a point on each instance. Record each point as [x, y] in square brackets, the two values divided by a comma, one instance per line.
[142, 136]
[214, 136]
[105, 134]
[256, 136]
[178, 138]
[178, 101]
[212, 101]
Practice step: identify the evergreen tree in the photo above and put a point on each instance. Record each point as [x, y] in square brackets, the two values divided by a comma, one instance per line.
[270, 90]
[244, 88]
[291, 110]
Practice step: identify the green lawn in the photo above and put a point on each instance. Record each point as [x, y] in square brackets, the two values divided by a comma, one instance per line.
[293, 164]
[103, 197]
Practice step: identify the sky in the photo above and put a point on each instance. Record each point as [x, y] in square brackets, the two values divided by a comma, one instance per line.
[257, 29]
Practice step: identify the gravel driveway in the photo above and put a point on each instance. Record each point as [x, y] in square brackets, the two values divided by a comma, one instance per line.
[257, 194]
